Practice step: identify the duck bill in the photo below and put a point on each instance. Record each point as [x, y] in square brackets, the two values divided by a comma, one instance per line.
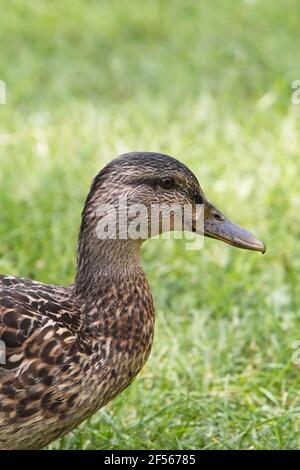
[218, 226]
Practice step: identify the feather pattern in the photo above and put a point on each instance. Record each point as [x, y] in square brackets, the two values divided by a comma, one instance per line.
[59, 371]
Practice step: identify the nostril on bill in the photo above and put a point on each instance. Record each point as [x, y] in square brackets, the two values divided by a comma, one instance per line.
[217, 216]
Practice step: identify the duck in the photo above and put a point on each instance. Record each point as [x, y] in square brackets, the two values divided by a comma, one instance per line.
[66, 351]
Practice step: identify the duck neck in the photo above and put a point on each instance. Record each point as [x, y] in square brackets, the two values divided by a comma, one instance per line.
[104, 262]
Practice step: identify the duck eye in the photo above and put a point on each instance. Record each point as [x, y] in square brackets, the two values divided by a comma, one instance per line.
[167, 182]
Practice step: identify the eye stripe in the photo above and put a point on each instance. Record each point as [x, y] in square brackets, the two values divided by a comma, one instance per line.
[141, 181]
[154, 181]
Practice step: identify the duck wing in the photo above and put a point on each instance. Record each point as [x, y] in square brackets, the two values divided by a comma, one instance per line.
[30, 314]
[41, 357]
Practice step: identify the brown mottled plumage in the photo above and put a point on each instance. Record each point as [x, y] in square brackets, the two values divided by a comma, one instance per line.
[70, 350]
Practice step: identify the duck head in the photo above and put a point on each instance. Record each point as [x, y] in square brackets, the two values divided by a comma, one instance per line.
[148, 180]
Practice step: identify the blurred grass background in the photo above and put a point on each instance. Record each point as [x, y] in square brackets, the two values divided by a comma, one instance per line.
[207, 82]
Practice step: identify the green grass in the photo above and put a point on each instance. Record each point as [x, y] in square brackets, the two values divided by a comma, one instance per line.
[208, 82]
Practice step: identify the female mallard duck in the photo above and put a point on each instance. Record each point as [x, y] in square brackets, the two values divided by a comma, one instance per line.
[70, 350]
